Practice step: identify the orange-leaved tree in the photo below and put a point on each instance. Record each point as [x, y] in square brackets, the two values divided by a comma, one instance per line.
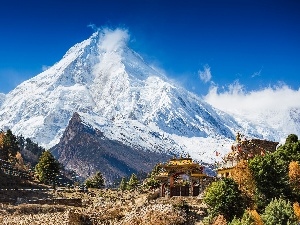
[294, 177]
[243, 177]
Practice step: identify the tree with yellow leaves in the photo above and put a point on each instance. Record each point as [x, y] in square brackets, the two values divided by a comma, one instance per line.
[294, 177]
[243, 177]
[296, 208]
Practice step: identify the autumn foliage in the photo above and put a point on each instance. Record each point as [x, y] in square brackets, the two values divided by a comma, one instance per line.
[243, 177]
[294, 176]
[296, 208]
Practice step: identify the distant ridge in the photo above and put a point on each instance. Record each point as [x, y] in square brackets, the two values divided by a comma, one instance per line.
[86, 151]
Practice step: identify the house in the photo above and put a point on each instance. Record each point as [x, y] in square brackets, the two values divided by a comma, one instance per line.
[244, 149]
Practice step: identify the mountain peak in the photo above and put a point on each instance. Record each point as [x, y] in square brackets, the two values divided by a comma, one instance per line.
[101, 85]
[112, 40]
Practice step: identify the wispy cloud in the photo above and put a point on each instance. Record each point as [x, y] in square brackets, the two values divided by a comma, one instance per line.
[93, 26]
[113, 40]
[256, 74]
[205, 74]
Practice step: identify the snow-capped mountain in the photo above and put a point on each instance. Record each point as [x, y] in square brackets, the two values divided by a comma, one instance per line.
[115, 91]
[2, 98]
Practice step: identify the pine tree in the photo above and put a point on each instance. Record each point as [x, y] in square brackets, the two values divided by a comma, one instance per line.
[291, 138]
[47, 168]
[96, 181]
[123, 184]
[3, 154]
[279, 211]
[133, 182]
[9, 146]
[247, 219]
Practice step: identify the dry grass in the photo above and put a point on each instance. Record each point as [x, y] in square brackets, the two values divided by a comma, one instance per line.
[104, 207]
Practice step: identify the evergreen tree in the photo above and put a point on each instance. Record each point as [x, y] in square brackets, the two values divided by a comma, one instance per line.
[96, 181]
[10, 146]
[223, 197]
[21, 141]
[247, 219]
[3, 154]
[151, 181]
[123, 184]
[133, 182]
[47, 168]
[33, 147]
[271, 173]
[292, 138]
[279, 211]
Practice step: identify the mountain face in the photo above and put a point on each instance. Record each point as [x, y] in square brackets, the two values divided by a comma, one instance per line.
[2, 98]
[86, 150]
[123, 100]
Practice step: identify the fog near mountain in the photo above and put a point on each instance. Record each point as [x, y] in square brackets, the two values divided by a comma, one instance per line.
[115, 91]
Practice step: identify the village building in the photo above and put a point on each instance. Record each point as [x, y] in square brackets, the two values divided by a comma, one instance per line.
[244, 149]
[181, 177]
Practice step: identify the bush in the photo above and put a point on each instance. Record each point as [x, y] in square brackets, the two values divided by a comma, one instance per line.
[247, 219]
[279, 211]
[223, 197]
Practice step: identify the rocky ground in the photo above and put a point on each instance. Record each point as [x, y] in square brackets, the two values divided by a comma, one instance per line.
[106, 207]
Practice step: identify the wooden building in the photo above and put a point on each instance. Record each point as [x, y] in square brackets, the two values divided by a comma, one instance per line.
[181, 177]
[244, 149]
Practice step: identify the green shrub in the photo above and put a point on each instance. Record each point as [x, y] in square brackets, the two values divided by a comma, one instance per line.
[247, 219]
[279, 211]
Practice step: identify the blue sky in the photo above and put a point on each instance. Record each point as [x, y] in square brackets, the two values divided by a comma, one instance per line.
[255, 44]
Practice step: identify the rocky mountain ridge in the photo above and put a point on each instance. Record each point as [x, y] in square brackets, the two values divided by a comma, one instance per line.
[86, 150]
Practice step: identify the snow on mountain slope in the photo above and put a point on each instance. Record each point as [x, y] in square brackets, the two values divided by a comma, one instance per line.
[115, 91]
[2, 98]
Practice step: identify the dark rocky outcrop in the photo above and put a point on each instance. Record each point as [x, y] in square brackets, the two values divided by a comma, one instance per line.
[86, 150]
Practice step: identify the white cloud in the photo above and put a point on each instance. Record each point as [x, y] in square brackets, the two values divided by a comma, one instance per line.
[271, 106]
[205, 74]
[113, 40]
[280, 97]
